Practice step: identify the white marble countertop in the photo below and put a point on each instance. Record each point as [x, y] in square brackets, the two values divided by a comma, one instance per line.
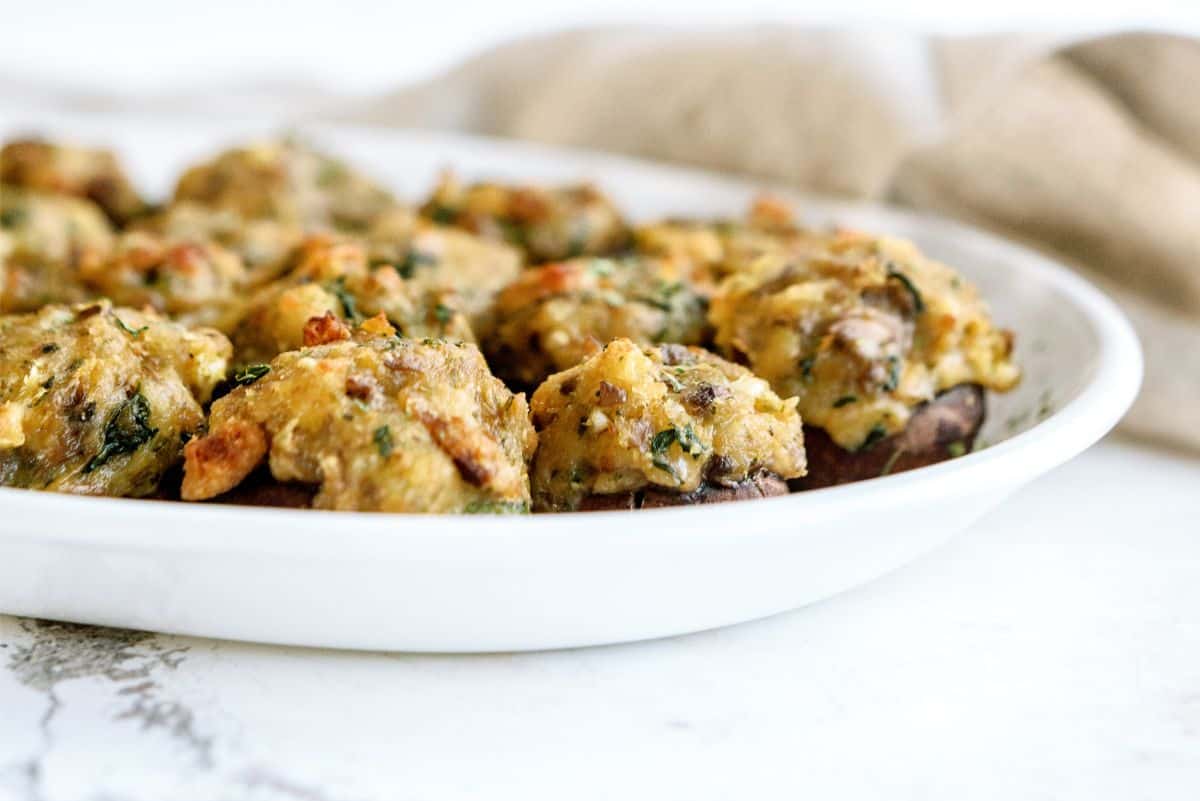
[1052, 652]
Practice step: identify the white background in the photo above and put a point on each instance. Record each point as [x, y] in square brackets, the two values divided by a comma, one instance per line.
[358, 46]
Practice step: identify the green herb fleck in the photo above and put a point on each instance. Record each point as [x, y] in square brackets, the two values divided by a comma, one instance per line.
[443, 215]
[845, 400]
[806, 366]
[876, 433]
[133, 332]
[918, 301]
[443, 313]
[956, 448]
[383, 441]
[689, 442]
[349, 305]
[126, 430]
[658, 450]
[601, 268]
[412, 260]
[671, 381]
[893, 379]
[244, 376]
[497, 508]
[12, 217]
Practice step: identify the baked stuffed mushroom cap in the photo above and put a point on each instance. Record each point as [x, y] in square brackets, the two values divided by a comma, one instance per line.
[640, 426]
[99, 400]
[553, 317]
[67, 170]
[374, 423]
[194, 281]
[330, 279]
[549, 224]
[712, 250]
[45, 241]
[286, 182]
[865, 334]
[262, 245]
[439, 258]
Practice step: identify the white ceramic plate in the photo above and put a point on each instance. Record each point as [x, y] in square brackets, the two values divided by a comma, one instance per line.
[426, 583]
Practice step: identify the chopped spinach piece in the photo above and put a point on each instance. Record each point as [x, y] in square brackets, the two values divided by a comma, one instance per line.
[126, 430]
[443, 313]
[876, 433]
[383, 441]
[806, 366]
[658, 450]
[443, 215]
[12, 217]
[893, 379]
[349, 305]
[412, 260]
[914, 293]
[845, 400]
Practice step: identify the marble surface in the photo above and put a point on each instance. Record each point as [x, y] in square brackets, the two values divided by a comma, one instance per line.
[1051, 652]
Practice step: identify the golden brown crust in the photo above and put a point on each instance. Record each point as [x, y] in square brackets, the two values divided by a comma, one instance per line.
[863, 333]
[216, 463]
[80, 172]
[941, 429]
[375, 423]
[286, 182]
[709, 251]
[440, 258]
[670, 419]
[549, 224]
[262, 245]
[96, 400]
[330, 279]
[555, 316]
[193, 281]
[45, 243]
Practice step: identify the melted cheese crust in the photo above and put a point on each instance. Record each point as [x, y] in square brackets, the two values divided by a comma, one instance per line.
[861, 332]
[377, 423]
[667, 416]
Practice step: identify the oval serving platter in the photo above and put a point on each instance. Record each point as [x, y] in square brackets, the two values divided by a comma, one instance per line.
[472, 583]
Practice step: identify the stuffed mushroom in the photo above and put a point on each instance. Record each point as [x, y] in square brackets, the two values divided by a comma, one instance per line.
[286, 182]
[98, 400]
[329, 287]
[371, 423]
[262, 245]
[635, 427]
[67, 170]
[549, 224]
[553, 317]
[191, 280]
[46, 241]
[712, 250]
[440, 258]
[888, 352]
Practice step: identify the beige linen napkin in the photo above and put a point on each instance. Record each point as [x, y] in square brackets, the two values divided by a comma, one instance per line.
[1089, 149]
